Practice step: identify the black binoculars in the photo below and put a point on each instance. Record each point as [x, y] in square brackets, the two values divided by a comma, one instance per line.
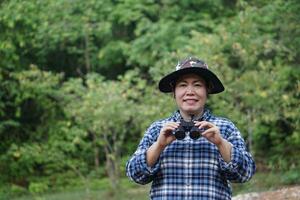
[187, 127]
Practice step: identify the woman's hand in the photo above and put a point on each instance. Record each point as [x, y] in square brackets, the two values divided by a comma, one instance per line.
[166, 136]
[164, 139]
[211, 133]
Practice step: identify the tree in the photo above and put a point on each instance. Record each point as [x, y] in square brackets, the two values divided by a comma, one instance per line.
[105, 111]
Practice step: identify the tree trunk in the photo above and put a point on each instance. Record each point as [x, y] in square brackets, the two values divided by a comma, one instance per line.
[112, 166]
[112, 153]
[96, 152]
[87, 49]
[250, 130]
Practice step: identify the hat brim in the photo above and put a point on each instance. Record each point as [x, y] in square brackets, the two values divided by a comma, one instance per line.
[214, 84]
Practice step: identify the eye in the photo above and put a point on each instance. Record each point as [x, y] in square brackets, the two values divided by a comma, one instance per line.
[198, 85]
[182, 84]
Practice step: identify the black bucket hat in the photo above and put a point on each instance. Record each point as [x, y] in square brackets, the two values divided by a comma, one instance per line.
[191, 66]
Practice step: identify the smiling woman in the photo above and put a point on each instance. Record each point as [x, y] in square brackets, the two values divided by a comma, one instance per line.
[190, 95]
[187, 166]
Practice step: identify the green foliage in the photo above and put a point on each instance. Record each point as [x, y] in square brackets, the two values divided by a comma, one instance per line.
[259, 69]
[32, 101]
[102, 109]
[42, 139]
[78, 81]
[37, 188]
[291, 177]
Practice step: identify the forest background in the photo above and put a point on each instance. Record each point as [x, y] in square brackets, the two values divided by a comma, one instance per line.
[78, 84]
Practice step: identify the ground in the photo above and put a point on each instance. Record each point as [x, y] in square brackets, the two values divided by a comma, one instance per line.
[286, 193]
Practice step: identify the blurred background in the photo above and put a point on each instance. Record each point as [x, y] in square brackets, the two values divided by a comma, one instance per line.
[78, 88]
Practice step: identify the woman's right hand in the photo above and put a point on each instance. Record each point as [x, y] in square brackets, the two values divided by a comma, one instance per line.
[164, 139]
[166, 136]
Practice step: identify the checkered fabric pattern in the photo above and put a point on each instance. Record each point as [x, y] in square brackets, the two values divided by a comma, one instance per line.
[192, 169]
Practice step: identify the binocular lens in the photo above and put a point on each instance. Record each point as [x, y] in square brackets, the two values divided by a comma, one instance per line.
[179, 134]
[195, 134]
[187, 127]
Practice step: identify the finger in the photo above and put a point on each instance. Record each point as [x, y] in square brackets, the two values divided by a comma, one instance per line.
[171, 126]
[174, 124]
[205, 124]
[209, 132]
[168, 128]
[206, 134]
[197, 123]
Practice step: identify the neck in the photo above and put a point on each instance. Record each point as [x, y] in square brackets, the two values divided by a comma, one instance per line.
[187, 115]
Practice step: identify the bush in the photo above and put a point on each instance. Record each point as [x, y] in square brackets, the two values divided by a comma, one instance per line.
[291, 177]
[36, 188]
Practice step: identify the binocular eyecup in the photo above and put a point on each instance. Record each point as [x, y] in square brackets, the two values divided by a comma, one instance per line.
[187, 127]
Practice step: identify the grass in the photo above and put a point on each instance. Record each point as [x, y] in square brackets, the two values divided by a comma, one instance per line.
[267, 181]
[100, 189]
[93, 195]
[137, 193]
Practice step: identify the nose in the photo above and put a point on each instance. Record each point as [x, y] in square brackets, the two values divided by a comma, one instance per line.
[189, 90]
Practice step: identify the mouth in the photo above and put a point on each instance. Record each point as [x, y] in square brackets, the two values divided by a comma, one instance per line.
[190, 101]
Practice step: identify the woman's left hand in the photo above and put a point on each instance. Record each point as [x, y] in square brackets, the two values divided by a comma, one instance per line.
[211, 133]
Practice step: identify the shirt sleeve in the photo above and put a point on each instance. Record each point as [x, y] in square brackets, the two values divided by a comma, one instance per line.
[136, 167]
[242, 166]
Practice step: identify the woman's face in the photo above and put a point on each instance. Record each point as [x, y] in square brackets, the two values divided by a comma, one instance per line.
[190, 94]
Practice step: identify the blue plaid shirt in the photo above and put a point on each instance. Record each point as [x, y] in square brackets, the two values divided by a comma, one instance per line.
[192, 169]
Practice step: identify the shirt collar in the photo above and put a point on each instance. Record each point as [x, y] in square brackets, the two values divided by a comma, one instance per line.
[205, 116]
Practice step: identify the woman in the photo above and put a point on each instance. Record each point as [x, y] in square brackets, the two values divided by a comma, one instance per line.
[179, 163]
